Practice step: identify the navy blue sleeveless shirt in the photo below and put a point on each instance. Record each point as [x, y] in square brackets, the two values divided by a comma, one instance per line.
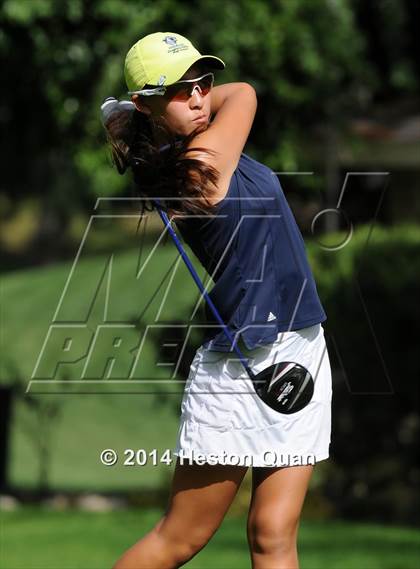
[254, 251]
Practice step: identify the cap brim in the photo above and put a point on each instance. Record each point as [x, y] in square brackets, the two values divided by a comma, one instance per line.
[212, 61]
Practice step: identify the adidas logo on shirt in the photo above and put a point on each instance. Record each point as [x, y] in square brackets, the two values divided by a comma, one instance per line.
[271, 317]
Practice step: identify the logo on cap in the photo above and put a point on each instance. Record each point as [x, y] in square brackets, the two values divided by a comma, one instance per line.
[170, 40]
[173, 44]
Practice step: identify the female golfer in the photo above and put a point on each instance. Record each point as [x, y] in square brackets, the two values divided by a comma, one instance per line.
[183, 140]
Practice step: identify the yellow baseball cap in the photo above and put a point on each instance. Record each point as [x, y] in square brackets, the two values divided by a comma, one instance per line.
[162, 58]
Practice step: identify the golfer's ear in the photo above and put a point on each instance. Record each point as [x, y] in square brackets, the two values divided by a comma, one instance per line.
[140, 106]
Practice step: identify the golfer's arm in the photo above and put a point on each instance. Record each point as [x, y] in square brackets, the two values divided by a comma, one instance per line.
[220, 93]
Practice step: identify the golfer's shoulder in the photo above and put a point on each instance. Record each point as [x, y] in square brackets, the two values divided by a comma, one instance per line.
[227, 134]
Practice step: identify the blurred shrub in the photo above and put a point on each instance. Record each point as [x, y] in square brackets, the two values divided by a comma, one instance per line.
[370, 291]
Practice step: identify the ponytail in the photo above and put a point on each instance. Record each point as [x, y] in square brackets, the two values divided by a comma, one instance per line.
[182, 184]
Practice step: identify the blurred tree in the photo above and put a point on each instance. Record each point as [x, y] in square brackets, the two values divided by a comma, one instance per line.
[313, 62]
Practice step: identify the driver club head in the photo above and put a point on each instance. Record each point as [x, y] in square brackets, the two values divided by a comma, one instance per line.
[286, 387]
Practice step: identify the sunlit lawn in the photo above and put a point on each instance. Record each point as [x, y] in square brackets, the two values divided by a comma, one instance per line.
[33, 538]
[91, 422]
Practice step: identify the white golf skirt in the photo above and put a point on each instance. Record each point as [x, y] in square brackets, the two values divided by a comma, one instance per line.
[223, 421]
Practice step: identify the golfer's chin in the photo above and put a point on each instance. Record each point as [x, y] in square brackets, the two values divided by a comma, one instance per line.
[199, 126]
[194, 126]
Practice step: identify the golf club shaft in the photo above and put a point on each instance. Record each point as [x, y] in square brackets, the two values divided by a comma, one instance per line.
[200, 285]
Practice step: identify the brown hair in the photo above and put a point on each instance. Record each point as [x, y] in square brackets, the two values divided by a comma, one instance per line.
[181, 183]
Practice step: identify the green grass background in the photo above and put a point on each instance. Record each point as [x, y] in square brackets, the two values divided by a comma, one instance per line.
[90, 422]
[41, 539]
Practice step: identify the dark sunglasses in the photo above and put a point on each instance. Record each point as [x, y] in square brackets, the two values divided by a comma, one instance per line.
[181, 90]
